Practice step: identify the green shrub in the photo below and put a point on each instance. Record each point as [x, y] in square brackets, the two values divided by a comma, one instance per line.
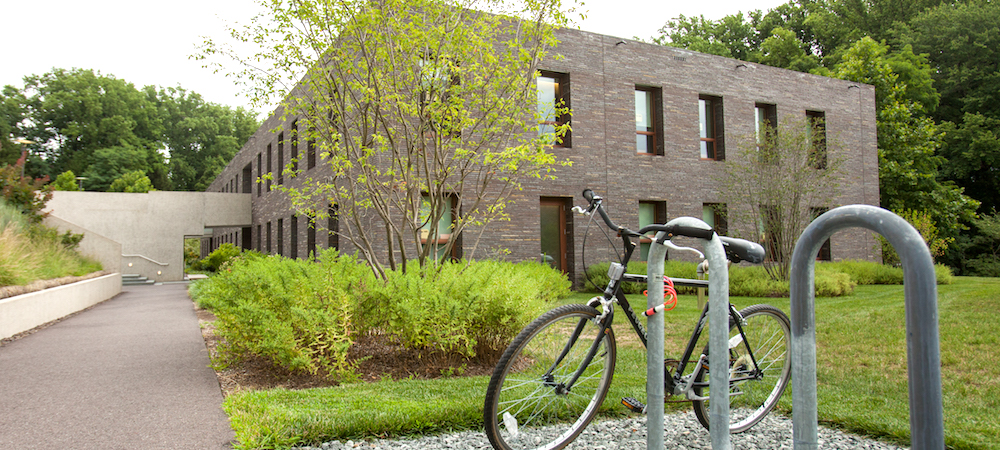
[744, 280]
[864, 272]
[298, 314]
[27, 195]
[943, 274]
[867, 272]
[218, 257]
[465, 307]
[302, 315]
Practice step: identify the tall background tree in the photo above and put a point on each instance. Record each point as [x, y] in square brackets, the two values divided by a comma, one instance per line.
[934, 66]
[416, 104]
[102, 128]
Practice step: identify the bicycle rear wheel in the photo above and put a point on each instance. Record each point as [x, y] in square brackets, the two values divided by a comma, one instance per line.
[528, 403]
[752, 392]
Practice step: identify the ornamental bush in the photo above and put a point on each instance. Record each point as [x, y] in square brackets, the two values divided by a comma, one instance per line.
[304, 315]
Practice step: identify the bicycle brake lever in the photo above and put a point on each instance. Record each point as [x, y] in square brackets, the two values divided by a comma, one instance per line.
[673, 246]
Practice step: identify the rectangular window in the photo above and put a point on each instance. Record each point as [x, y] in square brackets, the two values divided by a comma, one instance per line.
[817, 139]
[765, 121]
[766, 130]
[293, 234]
[281, 158]
[555, 229]
[260, 237]
[648, 129]
[333, 228]
[270, 170]
[716, 215]
[310, 153]
[246, 238]
[258, 174]
[448, 211]
[295, 146]
[650, 213]
[281, 237]
[311, 236]
[247, 175]
[269, 238]
[553, 93]
[825, 253]
[710, 128]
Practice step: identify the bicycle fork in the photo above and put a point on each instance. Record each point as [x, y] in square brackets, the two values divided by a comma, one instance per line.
[548, 379]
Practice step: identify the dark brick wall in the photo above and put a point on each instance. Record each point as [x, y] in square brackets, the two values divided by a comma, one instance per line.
[603, 72]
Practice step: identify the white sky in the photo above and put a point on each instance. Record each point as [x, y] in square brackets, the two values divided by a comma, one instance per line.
[148, 43]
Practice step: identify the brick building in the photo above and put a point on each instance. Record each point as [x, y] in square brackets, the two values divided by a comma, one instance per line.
[650, 130]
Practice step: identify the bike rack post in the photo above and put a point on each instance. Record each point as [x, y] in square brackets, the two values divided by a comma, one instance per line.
[922, 340]
[718, 340]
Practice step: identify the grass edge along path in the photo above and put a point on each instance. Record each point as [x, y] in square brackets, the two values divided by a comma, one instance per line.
[862, 378]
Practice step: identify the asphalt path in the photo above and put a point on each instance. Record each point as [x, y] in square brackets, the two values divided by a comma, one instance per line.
[129, 373]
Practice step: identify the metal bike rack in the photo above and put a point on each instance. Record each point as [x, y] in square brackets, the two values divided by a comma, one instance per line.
[718, 339]
[922, 341]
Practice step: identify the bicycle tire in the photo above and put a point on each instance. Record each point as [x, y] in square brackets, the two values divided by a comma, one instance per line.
[767, 329]
[525, 408]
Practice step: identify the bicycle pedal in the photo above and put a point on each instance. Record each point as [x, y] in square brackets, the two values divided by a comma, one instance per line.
[634, 405]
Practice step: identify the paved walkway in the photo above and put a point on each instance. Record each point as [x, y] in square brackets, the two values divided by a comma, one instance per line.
[130, 373]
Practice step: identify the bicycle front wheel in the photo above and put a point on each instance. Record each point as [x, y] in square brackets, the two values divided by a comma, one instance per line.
[533, 401]
[753, 390]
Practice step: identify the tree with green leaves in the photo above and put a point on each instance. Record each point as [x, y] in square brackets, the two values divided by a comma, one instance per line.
[11, 116]
[962, 42]
[201, 137]
[907, 142]
[75, 113]
[134, 182]
[416, 105]
[66, 181]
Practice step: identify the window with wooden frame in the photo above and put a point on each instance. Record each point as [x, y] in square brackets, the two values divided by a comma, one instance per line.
[553, 93]
[711, 128]
[825, 254]
[765, 129]
[295, 146]
[817, 139]
[648, 126]
[650, 213]
[281, 158]
[310, 153]
[270, 170]
[333, 227]
[716, 215]
[449, 213]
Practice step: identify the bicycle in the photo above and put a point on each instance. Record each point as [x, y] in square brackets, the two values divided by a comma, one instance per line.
[553, 377]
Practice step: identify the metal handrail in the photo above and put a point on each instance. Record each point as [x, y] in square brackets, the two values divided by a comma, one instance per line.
[146, 258]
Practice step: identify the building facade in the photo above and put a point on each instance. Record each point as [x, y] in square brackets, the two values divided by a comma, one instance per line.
[651, 128]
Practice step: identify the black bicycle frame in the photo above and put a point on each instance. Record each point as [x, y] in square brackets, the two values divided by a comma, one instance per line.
[614, 291]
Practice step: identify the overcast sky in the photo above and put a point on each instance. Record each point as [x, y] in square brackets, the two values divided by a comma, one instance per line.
[148, 43]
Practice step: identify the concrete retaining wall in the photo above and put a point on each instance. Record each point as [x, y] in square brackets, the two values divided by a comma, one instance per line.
[27, 311]
[105, 250]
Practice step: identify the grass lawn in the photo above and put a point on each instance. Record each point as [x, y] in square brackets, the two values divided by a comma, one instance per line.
[861, 358]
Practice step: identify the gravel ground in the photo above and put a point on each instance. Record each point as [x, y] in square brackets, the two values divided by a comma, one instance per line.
[682, 432]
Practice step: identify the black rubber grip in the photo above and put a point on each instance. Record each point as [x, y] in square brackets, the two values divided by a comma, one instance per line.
[693, 232]
[742, 250]
[588, 195]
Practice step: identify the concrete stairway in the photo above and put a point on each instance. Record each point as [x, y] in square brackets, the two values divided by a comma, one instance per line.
[132, 279]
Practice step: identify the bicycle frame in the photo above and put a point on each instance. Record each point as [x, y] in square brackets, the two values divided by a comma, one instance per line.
[613, 294]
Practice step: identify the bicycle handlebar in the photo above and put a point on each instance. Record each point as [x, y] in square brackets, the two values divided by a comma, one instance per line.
[736, 249]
